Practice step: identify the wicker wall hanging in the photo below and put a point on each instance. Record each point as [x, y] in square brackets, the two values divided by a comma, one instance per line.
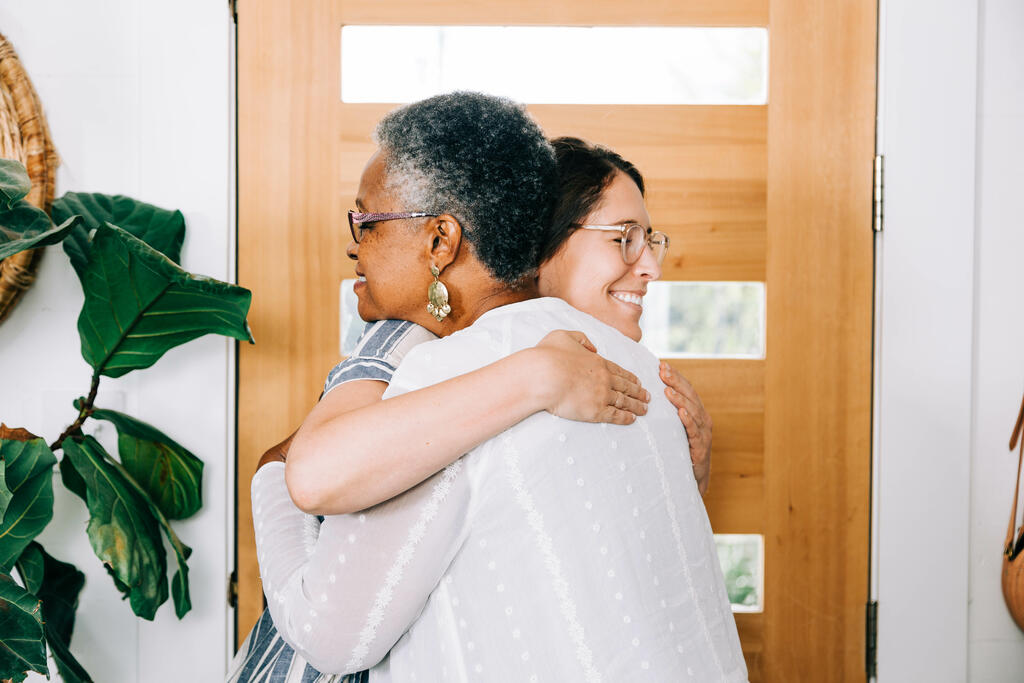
[24, 136]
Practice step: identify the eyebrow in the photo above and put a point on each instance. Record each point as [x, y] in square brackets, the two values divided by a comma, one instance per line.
[626, 221]
[360, 205]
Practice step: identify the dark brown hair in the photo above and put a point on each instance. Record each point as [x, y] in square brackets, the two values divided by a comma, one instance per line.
[584, 171]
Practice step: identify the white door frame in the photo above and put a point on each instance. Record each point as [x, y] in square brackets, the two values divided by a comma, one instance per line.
[925, 280]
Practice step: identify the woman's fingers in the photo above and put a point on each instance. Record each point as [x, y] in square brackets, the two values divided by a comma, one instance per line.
[622, 372]
[623, 401]
[676, 381]
[694, 431]
[696, 421]
[581, 339]
[613, 415]
[630, 388]
[682, 403]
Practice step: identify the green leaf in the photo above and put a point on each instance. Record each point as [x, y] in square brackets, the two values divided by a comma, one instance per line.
[21, 631]
[5, 493]
[26, 227]
[159, 228]
[138, 305]
[179, 585]
[72, 479]
[169, 473]
[31, 566]
[122, 529]
[14, 183]
[179, 589]
[29, 474]
[58, 584]
[70, 670]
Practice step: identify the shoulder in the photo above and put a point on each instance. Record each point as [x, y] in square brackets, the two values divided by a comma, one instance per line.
[441, 359]
[378, 352]
[390, 340]
[533, 319]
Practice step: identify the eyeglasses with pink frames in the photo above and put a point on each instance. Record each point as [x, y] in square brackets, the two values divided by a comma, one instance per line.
[357, 220]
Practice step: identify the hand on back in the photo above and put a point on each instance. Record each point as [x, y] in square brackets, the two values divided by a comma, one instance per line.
[277, 452]
[695, 419]
[581, 385]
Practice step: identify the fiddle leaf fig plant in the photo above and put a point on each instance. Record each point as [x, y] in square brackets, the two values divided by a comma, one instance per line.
[139, 303]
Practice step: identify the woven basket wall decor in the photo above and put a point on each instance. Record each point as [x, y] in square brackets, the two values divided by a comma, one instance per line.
[24, 136]
[1013, 550]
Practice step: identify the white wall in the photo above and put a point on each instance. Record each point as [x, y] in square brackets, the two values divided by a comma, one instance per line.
[138, 100]
[951, 335]
[996, 645]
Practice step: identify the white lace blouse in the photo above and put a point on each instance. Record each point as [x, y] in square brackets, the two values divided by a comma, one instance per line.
[556, 551]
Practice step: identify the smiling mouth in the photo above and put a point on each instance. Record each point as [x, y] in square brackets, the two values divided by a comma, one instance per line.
[629, 298]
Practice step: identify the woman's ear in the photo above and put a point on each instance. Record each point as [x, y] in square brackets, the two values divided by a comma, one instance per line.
[445, 240]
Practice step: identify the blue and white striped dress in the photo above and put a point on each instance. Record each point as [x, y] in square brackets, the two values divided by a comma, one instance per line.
[264, 656]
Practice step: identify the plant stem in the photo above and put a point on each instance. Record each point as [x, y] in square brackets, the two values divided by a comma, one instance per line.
[83, 413]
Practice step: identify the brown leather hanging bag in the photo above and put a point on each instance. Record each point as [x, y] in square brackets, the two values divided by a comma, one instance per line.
[1013, 557]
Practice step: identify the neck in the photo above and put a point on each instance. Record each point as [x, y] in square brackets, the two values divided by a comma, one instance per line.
[496, 299]
[466, 310]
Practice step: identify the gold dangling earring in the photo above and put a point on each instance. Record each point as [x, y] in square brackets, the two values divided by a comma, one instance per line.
[437, 297]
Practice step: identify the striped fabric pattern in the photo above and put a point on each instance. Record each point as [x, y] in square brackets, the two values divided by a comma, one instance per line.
[264, 656]
[378, 352]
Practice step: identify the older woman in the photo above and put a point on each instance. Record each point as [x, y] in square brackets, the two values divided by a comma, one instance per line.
[486, 280]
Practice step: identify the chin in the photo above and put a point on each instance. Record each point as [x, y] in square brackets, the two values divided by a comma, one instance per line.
[630, 328]
[366, 312]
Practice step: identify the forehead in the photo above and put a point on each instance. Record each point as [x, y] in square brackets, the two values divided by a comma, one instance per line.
[371, 183]
[620, 202]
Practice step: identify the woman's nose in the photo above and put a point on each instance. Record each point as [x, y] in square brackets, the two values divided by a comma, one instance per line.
[352, 251]
[646, 266]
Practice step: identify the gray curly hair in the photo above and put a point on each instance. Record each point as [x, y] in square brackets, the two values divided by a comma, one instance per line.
[483, 160]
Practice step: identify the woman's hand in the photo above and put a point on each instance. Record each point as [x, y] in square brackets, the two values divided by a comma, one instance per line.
[276, 453]
[695, 420]
[580, 385]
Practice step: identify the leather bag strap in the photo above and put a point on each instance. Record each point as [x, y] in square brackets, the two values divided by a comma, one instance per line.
[1015, 437]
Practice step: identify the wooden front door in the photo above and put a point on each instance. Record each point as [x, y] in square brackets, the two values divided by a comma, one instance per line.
[777, 193]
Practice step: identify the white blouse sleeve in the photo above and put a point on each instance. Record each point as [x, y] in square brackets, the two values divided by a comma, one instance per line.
[344, 593]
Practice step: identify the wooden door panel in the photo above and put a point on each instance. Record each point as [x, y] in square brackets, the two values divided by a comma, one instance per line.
[821, 122]
[751, 630]
[556, 12]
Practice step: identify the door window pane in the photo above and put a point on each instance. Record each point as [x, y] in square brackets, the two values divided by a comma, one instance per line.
[557, 64]
[704, 319]
[742, 559]
[351, 324]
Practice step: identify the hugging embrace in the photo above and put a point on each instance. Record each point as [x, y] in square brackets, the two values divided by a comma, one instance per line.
[487, 490]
